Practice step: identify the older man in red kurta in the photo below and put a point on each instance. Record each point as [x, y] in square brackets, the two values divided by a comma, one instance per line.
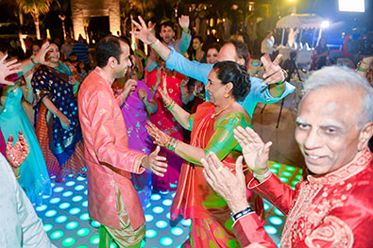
[331, 206]
[112, 199]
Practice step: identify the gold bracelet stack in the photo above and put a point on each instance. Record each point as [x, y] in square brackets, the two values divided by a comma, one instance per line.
[171, 105]
[171, 144]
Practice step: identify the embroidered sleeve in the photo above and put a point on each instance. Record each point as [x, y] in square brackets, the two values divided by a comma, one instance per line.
[223, 142]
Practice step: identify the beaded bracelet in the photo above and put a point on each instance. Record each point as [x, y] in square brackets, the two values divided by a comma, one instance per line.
[242, 213]
[358, 68]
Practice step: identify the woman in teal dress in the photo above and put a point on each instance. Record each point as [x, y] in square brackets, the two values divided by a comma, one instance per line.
[33, 176]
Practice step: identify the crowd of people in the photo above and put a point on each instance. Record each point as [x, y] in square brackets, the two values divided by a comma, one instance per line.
[122, 125]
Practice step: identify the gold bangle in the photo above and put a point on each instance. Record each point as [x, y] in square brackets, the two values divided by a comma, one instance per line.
[171, 106]
[168, 104]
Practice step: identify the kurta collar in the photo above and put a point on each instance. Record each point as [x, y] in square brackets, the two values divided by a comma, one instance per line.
[104, 75]
[360, 162]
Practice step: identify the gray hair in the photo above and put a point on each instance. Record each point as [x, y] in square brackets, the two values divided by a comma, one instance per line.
[341, 76]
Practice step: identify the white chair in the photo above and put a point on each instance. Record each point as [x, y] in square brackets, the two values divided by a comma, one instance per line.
[285, 53]
[303, 59]
[300, 47]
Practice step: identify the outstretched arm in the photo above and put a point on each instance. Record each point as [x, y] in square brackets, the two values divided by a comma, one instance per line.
[174, 60]
[146, 35]
[222, 142]
[273, 75]
[185, 39]
[177, 111]
[39, 58]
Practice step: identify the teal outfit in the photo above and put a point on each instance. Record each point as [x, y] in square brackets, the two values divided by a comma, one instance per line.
[34, 178]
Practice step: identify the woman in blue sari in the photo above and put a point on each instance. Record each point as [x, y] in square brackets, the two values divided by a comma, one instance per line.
[57, 127]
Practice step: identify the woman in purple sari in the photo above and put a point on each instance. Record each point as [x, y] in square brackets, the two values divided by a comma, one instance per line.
[136, 109]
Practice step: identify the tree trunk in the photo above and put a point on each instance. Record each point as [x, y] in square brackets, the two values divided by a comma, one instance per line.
[37, 27]
[63, 30]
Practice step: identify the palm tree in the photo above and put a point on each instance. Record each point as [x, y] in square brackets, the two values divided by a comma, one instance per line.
[35, 8]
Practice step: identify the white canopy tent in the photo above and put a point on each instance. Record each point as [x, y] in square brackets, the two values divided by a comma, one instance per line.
[301, 21]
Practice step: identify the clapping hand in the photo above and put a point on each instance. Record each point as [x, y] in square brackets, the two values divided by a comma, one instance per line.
[254, 150]
[229, 185]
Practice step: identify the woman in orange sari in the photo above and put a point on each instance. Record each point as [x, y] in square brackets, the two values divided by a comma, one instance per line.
[212, 127]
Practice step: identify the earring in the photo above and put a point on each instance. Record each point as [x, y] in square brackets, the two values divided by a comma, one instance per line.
[226, 95]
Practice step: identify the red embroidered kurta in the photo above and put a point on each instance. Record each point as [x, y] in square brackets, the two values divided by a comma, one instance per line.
[109, 161]
[335, 210]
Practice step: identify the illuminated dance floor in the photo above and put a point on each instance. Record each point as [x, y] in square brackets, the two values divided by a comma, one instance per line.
[67, 223]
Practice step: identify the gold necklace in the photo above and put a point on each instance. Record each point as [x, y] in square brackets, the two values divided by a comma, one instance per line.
[219, 112]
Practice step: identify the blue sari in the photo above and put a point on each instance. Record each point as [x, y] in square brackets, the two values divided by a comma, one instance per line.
[54, 84]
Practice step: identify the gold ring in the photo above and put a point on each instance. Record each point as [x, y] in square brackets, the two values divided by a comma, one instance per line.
[220, 168]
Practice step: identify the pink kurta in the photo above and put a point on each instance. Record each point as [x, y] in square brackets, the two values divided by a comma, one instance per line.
[109, 161]
[334, 210]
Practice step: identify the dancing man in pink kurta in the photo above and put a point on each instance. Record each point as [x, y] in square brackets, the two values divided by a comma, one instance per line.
[109, 161]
